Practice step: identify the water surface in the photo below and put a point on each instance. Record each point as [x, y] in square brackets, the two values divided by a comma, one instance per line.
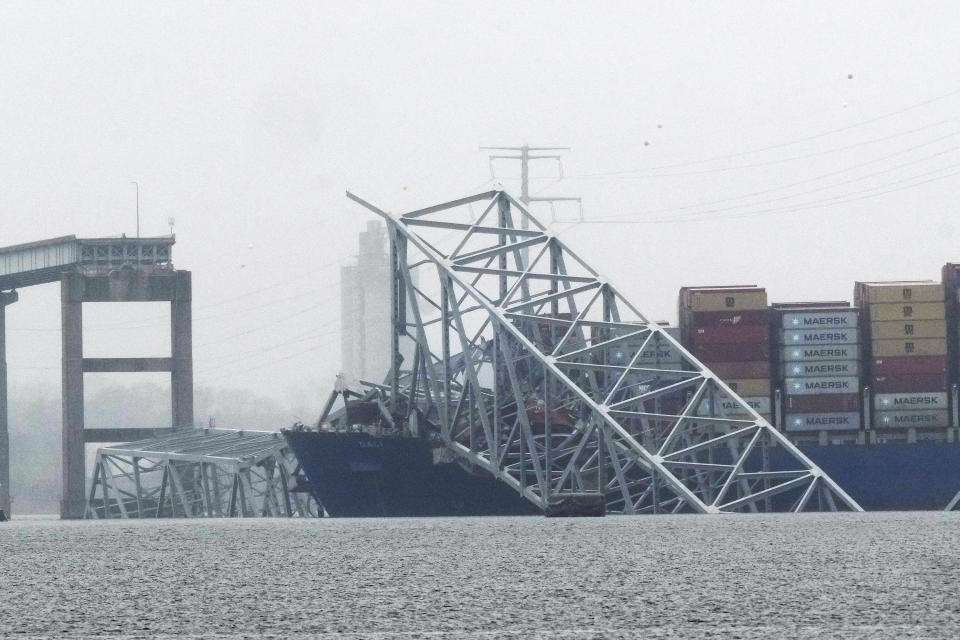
[893, 575]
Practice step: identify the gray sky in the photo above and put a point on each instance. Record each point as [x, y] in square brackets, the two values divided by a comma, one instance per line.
[246, 122]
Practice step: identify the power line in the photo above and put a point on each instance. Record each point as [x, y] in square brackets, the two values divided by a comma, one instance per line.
[768, 163]
[781, 144]
[815, 204]
[796, 183]
[795, 195]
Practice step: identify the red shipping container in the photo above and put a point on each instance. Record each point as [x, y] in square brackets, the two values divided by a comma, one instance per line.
[823, 403]
[724, 318]
[737, 370]
[733, 352]
[910, 383]
[909, 365]
[730, 335]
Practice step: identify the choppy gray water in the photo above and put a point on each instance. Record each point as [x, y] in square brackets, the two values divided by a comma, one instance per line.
[778, 576]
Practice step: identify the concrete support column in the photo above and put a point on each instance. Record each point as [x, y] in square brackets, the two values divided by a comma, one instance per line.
[181, 341]
[73, 499]
[6, 298]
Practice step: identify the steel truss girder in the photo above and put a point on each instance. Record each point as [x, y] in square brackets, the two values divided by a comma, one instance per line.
[539, 371]
[153, 484]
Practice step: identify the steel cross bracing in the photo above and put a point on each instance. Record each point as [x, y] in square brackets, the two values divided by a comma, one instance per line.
[532, 366]
[199, 473]
[954, 503]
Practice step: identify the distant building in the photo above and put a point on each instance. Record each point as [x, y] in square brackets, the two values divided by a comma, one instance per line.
[365, 309]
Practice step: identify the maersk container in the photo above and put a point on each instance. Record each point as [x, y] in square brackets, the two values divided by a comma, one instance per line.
[734, 370]
[820, 368]
[819, 336]
[699, 319]
[726, 300]
[738, 334]
[909, 365]
[909, 383]
[898, 311]
[812, 353]
[748, 351]
[728, 406]
[820, 320]
[908, 329]
[915, 347]
[843, 421]
[938, 418]
[896, 291]
[750, 386]
[822, 403]
[664, 354]
[816, 386]
[910, 401]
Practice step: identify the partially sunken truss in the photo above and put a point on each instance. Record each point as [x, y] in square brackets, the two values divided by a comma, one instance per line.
[197, 473]
[530, 365]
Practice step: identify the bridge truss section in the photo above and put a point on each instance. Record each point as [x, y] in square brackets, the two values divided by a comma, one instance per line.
[530, 365]
[199, 473]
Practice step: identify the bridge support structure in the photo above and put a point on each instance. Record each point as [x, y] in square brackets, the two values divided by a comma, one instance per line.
[121, 285]
[530, 365]
[6, 298]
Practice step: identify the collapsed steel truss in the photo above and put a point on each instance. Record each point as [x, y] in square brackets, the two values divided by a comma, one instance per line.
[954, 503]
[529, 364]
[199, 473]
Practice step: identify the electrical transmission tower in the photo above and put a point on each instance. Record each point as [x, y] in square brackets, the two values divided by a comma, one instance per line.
[524, 156]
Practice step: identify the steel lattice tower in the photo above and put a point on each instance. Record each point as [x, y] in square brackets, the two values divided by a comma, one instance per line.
[529, 364]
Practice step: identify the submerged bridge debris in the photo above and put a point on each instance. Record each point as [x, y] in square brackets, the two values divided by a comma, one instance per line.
[199, 473]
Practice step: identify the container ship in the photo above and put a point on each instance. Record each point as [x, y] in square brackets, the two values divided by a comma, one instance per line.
[867, 390]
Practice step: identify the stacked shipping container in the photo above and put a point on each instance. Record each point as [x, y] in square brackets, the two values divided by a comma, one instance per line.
[726, 329]
[951, 287]
[818, 365]
[904, 324]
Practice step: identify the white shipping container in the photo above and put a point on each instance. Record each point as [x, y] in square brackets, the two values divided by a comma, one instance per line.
[729, 407]
[821, 320]
[809, 353]
[820, 368]
[909, 401]
[817, 386]
[820, 336]
[822, 421]
[664, 354]
[936, 418]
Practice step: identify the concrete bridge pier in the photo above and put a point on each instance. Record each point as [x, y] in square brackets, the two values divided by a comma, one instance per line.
[6, 298]
[120, 285]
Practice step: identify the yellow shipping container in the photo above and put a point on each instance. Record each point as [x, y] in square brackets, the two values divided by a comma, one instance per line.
[873, 292]
[910, 329]
[920, 347]
[900, 311]
[750, 386]
[721, 300]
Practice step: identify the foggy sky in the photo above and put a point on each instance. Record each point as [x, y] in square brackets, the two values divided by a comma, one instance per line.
[246, 122]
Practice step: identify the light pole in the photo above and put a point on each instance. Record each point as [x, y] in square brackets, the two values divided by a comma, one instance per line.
[137, 185]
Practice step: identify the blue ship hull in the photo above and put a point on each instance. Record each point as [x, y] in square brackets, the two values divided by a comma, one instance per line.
[893, 476]
[360, 475]
[355, 475]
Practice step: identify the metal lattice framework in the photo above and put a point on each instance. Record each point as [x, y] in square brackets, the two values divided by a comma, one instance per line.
[532, 366]
[199, 473]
